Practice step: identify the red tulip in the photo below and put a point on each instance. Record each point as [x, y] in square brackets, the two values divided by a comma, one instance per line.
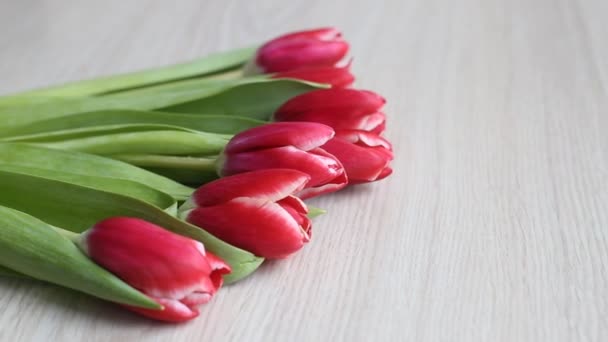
[338, 77]
[341, 109]
[365, 156]
[314, 48]
[172, 269]
[255, 211]
[286, 145]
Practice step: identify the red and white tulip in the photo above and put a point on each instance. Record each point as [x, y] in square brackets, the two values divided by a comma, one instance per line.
[174, 270]
[304, 49]
[256, 211]
[287, 145]
[339, 108]
[365, 156]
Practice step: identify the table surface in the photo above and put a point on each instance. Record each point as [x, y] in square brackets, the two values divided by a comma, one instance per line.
[493, 226]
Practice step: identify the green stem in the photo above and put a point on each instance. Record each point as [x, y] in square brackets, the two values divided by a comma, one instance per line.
[146, 142]
[193, 171]
[74, 237]
[169, 162]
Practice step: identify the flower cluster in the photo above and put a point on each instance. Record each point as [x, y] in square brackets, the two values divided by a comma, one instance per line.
[325, 138]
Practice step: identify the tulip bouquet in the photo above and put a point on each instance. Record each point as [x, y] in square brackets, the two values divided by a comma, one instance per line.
[154, 188]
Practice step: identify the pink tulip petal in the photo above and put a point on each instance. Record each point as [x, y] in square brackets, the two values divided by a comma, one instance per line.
[174, 311]
[302, 135]
[321, 166]
[312, 48]
[301, 53]
[257, 225]
[177, 266]
[336, 76]
[365, 139]
[297, 209]
[197, 298]
[338, 183]
[362, 164]
[347, 103]
[324, 33]
[269, 184]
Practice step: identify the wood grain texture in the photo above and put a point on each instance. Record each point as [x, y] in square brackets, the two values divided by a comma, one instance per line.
[493, 226]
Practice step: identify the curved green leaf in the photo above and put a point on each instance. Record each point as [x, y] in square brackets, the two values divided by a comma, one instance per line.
[163, 142]
[22, 155]
[92, 131]
[184, 169]
[34, 248]
[210, 64]
[207, 123]
[254, 98]
[118, 186]
[7, 272]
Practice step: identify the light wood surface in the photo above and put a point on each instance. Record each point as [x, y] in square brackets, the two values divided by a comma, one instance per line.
[494, 226]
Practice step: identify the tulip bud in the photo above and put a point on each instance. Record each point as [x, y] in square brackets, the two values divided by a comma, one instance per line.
[365, 156]
[175, 271]
[288, 145]
[341, 109]
[337, 77]
[255, 211]
[314, 48]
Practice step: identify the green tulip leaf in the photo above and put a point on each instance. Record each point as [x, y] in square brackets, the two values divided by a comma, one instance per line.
[256, 100]
[207, 65]
[199, 122]
[92, 131]
[130, 139]
[118, 186]
[193, 171]
[7, 272]
[33, 157]
[252, 97]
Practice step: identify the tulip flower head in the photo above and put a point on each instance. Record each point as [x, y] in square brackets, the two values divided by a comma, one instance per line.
[255, 211]
[174, 270]
[305, 49]
[366, 156]
[288, 145]
[341, 109]
[338, 77]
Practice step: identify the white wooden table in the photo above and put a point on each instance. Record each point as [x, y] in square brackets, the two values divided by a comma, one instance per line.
[494, 226]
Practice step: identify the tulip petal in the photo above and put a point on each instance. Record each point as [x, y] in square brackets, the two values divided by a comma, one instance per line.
[323, 33]
[158, 262]
[338, 183]
[339, 120]
[268, 184]
[254, 224]
[301, 53]
[362, 163]
[302, 135]
[336, 76]
[219, 268]
[365, 139]
[197, 298]
[348, 102]
[312, 48]
[298, 210]
[322, 167]
[174, 311]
